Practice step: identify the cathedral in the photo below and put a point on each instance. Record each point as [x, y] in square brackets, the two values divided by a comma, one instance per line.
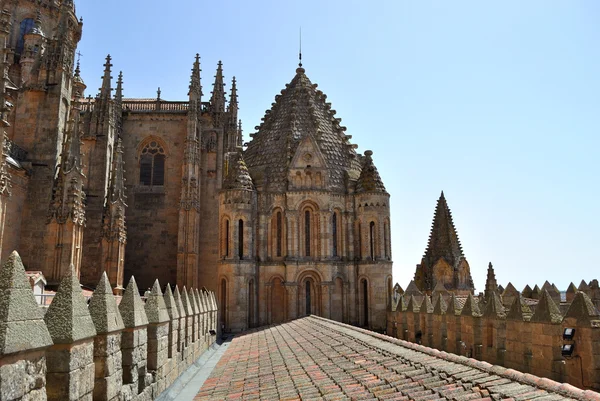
[294, 222]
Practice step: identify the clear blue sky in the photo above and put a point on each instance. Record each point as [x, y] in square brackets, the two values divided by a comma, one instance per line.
[497, 104]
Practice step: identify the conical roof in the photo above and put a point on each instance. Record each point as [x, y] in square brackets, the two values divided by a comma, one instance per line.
[300, 111]
[238, 176]
[443, 239]
[369, 179]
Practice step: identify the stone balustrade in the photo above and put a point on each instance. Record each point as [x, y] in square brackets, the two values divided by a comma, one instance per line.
[100, 351]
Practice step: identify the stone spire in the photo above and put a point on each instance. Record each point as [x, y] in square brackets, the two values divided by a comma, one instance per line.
[78, 84]
[232, 107]
[490, 283]
[217, 101]
[106, 90]
[445, 251]
[119, 90]
[237, 176]
[195, 93]
[117, 182]
[369, 179]
[103, 308]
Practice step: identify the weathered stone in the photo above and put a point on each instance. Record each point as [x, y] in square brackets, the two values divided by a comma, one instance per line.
[103, 308]
[519, 310]
[546, 310]
[439, 308]
[68, 319]
[471, 307]
[177, 296]
[494, 307]
[156, 310]
[132, 307]
[22, 326]
[170, 304]
[582, 308]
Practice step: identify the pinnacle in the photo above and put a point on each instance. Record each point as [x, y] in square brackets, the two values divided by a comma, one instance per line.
[22, 326]
[156, 309]
[171, 304]
[369, 179]
[68, 319]
[238, 176]
[103, 308]
[582, 308]
[494, 306]
[519, 309]
[119, 91]
[132, 306]
[546, 310]
[471, 307]
[439, 307]
[177, 297]
[187, 305]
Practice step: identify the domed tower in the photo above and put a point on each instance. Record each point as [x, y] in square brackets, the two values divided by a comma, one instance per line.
[237, 267]
[307, 237]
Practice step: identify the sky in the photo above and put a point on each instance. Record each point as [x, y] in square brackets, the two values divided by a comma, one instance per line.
[495, 103]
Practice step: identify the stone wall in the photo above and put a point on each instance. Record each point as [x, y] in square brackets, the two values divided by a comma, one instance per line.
[517, 338]
[100, 351]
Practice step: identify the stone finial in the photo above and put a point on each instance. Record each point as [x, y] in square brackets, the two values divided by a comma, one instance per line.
[22, 326]
[170, 303]
[156, 309]
[500, 289]
[413, 305]
[200, 301]
[132, 306]
[510, 291]
[583, 286]
[68, 318]
[553, 291]
[535, 293]
[571, 291]
[546, 310]
[527, 291]
[398, 289]
[177, 296]
[494, 307]
[471, 307]
[519, 310]
[185, 301]
[439, 307]
[490, 282]
[103, 308]
[453, 305]
[427, 304]
[192, 301]
[369, 179]
[106, 90]
[582, 308]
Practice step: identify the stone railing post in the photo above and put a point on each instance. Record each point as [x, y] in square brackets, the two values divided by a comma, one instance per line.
[204, 317]
[158, 336]
[23, 336]
[199, 329]
[172, 371]
[70, 360]
[196, 313]
[215, 317]
[107, 343]
[134, 340]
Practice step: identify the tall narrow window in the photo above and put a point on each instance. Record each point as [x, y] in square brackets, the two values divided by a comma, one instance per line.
[307, 233]
[385, 240]
[278, 228]
[152, 164]
[241, 239]
[334, 233]
[226, 238]
[365, 303]
[308, 309]
[372, 240]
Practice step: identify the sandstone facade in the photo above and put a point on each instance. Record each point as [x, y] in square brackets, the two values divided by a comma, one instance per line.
[149, 187]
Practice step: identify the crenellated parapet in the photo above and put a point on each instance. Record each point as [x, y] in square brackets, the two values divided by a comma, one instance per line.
[100, 351]
[526, 336]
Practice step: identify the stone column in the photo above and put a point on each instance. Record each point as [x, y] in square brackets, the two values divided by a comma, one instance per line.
[70, 360]
[23, 336]
[134, 341]
[173, 337]
[107, 343]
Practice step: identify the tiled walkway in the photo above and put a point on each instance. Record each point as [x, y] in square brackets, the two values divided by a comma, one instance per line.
[316, 359]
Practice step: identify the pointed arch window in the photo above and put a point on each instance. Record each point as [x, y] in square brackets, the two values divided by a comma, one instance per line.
[152, 164]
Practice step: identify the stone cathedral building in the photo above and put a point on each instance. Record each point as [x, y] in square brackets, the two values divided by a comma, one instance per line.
[296, 224]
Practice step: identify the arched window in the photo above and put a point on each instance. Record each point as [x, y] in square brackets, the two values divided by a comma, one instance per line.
[334, 234]
[386, 249]
[307, 233]
[25, 27]
[278, 233]
[226, 238]
[372, 240]
[241, 238]
[152, 164]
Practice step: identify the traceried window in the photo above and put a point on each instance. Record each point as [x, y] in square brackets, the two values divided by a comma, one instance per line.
[152, 164]
[25, 27]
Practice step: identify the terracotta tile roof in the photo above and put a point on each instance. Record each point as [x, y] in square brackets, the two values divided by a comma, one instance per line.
[315, 358]
[300, 110]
